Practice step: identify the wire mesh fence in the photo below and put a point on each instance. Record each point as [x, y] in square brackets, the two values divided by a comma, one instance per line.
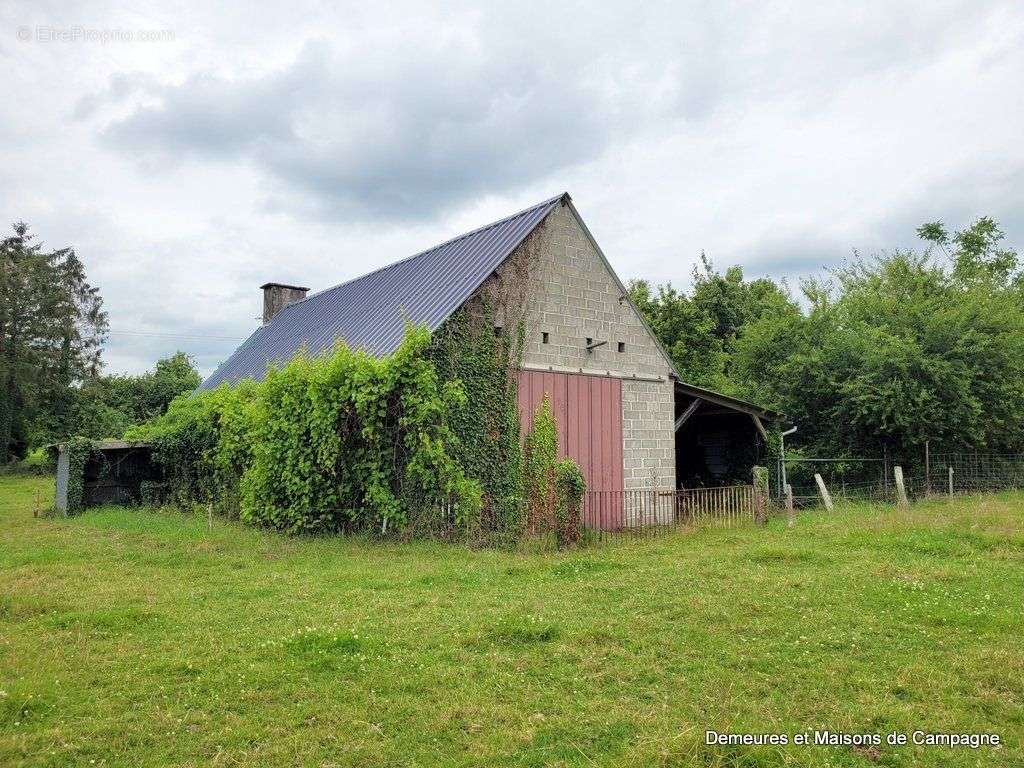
[941, 474]
[975, 472]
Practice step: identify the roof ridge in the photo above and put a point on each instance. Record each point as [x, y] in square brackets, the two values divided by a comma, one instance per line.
[455, 239]
[366, 310]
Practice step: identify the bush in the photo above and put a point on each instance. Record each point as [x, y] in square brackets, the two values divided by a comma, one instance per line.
[539, 455]
[203, 446]
[570, 485]
[38, 462]
[344, 441]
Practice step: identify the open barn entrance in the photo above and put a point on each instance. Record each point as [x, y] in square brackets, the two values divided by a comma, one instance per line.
[719, 439]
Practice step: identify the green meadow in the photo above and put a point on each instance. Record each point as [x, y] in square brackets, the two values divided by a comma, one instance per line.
[150, 638]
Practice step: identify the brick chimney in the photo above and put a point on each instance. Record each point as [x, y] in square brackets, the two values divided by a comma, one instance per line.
[277, 296]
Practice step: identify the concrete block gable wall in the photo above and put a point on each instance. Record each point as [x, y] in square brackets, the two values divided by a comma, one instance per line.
[574, 297]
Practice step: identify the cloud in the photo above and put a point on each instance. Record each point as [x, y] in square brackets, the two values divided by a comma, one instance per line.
[342, 140]
[775, 136]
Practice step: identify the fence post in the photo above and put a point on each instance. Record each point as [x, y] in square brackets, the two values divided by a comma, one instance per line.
[825, 495]
[760, 495]
[951, 483]
[927, 470]
[790, 512]
[901, 489]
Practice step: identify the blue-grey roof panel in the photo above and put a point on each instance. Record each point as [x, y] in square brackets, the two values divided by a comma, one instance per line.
[370, 312]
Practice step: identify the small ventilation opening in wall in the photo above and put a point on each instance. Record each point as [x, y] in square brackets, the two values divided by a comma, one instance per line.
[622, 346]
[544, 338]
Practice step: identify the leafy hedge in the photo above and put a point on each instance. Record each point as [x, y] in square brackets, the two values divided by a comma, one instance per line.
[344, 441]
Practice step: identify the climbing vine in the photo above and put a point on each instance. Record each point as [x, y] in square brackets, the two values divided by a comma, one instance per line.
[428, 436]
[78, 450]
[481, 345]
[202, 445]
[540, 452]
[343, 441]
[570, 485]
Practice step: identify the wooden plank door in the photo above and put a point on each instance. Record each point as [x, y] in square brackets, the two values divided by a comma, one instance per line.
[588, 412]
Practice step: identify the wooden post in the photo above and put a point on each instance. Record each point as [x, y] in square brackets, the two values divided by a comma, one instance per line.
[790, 512]
[825, 496]
[927, 470]
[951, 483]
[761, 495]
[901, 489]
[209, 516]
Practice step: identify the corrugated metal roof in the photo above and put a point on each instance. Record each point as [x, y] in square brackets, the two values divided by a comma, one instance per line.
[370, 312]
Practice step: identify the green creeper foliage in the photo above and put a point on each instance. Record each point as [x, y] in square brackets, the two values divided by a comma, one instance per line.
[203, 445]
[343, 441]
[79, 449]
[570, 485]
[540, 452]
[485, 425]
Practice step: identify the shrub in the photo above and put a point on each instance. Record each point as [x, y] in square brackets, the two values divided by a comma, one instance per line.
[539, 455]
[570, 485]
[203, 445]
[343, 441]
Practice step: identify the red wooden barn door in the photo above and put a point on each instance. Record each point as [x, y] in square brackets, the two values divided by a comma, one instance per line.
[588, 412]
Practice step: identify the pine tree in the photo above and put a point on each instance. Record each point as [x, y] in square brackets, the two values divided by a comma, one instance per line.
[52, 327]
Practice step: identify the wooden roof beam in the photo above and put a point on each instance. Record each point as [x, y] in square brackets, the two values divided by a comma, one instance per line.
[690, 410]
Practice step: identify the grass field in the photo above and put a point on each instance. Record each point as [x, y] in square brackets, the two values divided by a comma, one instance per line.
[139, 638]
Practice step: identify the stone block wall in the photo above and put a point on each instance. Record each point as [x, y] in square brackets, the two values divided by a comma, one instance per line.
[648, 435]
[573, 296]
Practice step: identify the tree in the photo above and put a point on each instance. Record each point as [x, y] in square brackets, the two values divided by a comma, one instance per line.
[687, 334]
[974, 252]
[105, 406]
[898, 349]
[700, 330]
[889, 351]
[144, 397]
[52, 326]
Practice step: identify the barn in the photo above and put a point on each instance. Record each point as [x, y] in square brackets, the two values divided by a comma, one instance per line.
[623, 412]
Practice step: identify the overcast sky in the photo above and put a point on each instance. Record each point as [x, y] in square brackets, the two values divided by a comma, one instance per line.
[191, 154]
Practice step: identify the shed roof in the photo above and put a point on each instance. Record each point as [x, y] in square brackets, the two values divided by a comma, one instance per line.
[370, 312]
[728, 401]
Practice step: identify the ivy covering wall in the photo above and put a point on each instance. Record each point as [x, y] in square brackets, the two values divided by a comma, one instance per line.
[78, 450]
[473, 349]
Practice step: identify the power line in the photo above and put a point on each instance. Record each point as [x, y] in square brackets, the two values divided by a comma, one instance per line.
[198, 337]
